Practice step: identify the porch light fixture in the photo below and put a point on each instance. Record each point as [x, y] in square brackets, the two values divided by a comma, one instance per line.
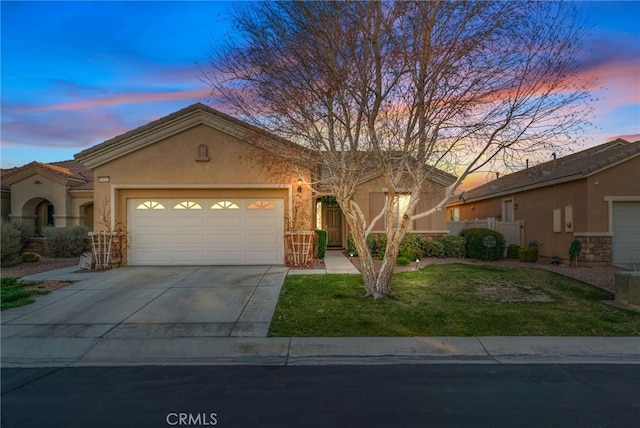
[299, 189]
[515, 206]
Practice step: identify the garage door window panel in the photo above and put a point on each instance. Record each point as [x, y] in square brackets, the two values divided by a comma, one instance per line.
[187, 205]
[150, 205]
[225, 205]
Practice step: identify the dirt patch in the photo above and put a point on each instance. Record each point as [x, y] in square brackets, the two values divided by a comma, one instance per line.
[511, 293]
[48, 286]
[42, 265]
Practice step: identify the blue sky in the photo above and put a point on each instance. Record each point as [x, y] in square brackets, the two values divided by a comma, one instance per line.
[74, 74]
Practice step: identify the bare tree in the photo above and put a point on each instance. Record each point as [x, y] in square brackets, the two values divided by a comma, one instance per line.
[403, 90]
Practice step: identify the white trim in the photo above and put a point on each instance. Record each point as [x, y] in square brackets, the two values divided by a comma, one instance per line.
[622, 198]
[114, 187]
[611, 200]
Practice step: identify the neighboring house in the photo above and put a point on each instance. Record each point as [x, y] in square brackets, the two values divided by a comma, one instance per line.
[592, 196]
[55, 194]
[201, 187]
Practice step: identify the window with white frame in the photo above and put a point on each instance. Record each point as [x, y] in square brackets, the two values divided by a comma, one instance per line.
[400, 205]
[455, 214]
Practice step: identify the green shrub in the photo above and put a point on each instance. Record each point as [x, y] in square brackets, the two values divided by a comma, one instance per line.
[13, 294]
[513, 251]
[372, 244]
[12, 240]
[381, 246]
[403, 261]
[30, 257]
[351, 246]
[528, 254]
[574, 250]
[65, 241]
[411, 246]
[321, 243]
[475, 245]
[454, 246]
[433, 248]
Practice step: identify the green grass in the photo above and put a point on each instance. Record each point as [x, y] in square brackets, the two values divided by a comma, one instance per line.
[451, 300]
[13, 294]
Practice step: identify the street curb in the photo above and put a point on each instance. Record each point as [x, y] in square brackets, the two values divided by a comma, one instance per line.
[298, 351]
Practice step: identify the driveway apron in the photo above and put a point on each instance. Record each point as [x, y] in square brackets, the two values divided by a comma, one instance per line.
[159, 301]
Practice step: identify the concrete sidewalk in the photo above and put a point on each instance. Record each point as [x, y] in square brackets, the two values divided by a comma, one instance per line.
[91, 341]
[334, 262]
[76, 352]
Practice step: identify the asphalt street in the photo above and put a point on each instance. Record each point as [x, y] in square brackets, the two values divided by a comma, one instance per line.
[433, 395]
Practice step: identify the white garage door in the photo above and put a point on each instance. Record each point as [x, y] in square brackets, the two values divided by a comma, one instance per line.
[626, 233]
[233, 231]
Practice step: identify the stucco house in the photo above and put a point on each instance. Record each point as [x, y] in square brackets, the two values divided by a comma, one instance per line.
[201, 187]
[55, 194]
[592, 196]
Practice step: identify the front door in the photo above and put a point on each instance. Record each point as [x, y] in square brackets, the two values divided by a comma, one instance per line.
[332, 223]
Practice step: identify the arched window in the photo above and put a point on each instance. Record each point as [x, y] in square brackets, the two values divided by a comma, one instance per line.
[150, 205]
[225, 205]
[261, 205]
[187, 205]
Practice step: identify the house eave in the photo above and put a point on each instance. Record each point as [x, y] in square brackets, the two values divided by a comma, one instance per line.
[171, 125]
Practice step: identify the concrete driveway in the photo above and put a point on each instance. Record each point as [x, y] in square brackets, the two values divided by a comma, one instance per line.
[158, 302]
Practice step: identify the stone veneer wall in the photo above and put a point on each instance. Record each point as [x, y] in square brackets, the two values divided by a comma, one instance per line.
[596, 249]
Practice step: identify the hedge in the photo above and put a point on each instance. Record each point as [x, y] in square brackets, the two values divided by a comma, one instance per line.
[528, 254]
[12, 240]
[66, 241]
[475, 243]
[454, 246]
[321, 243]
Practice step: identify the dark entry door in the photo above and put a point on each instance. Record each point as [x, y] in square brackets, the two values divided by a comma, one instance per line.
[332, 222]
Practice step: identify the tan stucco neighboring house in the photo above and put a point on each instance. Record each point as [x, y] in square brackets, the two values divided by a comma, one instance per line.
[201, 187]
[592, 196]
[48, 194]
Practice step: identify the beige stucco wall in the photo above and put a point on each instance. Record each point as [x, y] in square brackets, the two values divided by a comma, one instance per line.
[436, 222]
[170, 165]
[586, 197]
[29, 192]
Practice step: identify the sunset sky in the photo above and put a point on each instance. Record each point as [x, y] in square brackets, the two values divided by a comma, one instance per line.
[77, 73]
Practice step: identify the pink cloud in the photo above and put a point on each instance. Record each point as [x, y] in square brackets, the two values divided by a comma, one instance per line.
[124, 99]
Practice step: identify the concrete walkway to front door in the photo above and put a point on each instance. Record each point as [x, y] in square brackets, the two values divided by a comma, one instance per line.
[158, 301]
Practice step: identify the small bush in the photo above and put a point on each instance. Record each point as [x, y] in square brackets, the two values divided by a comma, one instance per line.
[411, 246]
[528, 254]
[433, 248]
[30, 257]
[475, 245]
[321, 243]
[12, 240]
[351, 246]
[65, 241]
[454, 246]
[513, 251]
[403, 261]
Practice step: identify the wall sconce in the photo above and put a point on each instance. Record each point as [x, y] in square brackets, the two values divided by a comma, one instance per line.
[299, 189]
[515, 206]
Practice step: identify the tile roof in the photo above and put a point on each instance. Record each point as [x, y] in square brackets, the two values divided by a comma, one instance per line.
[176, 115]
[568, 168]
[70, 169]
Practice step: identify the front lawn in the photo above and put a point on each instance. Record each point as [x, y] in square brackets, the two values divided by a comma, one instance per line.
[14, 293]
[451, 300]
